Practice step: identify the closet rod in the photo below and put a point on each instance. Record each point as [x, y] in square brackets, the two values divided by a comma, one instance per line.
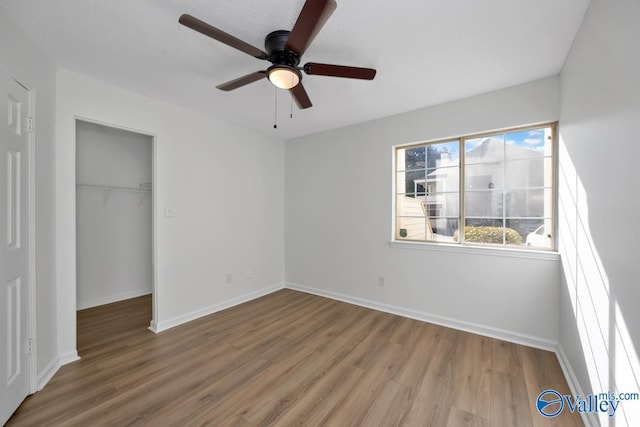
[114, 188]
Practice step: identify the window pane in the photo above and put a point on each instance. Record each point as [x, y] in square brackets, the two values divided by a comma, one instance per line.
[442, 229]
[525, 203]
[534, 232]
[442, 154]
[525, 173]
[410, 205]
[529, 142]
[487, 149]
[410, 158]
[485, 222]
[442, 204]
[442, 179]
[524, 226]
[486, 203]
[411, 228]
[420, 205]
[426, 229]
[415, 158]
[411, 181]
[489, 231]
[484, 176]
[540, 237]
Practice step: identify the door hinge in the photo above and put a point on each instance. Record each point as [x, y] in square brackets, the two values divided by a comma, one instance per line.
[30, 346]
[29, 124]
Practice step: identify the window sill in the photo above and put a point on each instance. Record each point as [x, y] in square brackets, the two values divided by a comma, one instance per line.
[476, 250]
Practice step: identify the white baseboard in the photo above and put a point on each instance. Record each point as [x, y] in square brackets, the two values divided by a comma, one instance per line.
[488, 331]
[113, 298]
[47, 373]
[179, 320]
[69, 357]
[588, 419]
[52, 367]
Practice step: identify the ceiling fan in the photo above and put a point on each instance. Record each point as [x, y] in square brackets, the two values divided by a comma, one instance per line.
[284, 50]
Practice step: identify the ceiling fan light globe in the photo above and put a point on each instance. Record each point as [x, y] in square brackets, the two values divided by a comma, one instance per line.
[284, 77]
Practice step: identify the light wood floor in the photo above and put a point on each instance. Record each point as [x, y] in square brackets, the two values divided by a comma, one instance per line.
[291, 359]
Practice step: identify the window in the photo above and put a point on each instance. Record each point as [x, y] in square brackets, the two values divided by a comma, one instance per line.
[499, 185]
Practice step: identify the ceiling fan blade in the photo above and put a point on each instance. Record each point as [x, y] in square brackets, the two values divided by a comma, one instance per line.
[300, 95]
[332, 70]
[324, 17]
[213, 32]
[241, 81]
[312, 18]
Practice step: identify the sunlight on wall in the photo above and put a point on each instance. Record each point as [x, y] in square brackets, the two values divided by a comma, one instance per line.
[610, 356]
[626, 367]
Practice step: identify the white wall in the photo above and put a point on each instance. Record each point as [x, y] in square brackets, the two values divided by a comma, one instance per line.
[114, 228]
[600, 209]
[225, 185]
[28, 64]
[338, 224]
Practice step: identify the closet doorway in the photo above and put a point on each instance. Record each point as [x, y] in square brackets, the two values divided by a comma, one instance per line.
[114, 215]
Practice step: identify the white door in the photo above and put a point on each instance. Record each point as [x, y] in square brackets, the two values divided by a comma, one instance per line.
[14, 241]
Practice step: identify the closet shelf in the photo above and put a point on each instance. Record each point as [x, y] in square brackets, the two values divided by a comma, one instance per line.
[145, 189]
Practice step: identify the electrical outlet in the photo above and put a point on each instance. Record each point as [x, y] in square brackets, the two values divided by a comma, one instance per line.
[229, 278]
[382, 281]
[250, 275]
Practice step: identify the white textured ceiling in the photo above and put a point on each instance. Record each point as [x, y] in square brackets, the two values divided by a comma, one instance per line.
[426, 52]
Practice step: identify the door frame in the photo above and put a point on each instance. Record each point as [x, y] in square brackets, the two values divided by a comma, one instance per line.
[154, 254]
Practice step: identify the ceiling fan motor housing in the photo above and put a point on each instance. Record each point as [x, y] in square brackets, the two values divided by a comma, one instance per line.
[274, 44]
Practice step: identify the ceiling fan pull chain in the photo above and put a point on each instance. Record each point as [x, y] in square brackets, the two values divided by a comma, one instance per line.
[275, 110]
[291, 98]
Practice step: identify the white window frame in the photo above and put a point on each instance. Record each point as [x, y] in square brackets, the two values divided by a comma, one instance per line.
[473, 247]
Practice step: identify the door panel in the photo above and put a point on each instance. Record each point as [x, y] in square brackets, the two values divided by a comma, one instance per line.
[13, 200]
[13, 328]
[14, 235]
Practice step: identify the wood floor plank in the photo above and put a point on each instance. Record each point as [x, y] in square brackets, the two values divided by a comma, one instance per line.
[288, 359]
[419, 353]
[506, 358]
[390, 405]
[356, 406]
[407, 331]
[472, 376]
[460, 418]
[509, 400]
[315, 407]
[434, 396]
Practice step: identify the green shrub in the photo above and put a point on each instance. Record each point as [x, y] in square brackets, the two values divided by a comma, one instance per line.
[486, 234]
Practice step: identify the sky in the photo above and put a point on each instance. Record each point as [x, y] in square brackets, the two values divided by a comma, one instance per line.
[532, 139]
[529, 139]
